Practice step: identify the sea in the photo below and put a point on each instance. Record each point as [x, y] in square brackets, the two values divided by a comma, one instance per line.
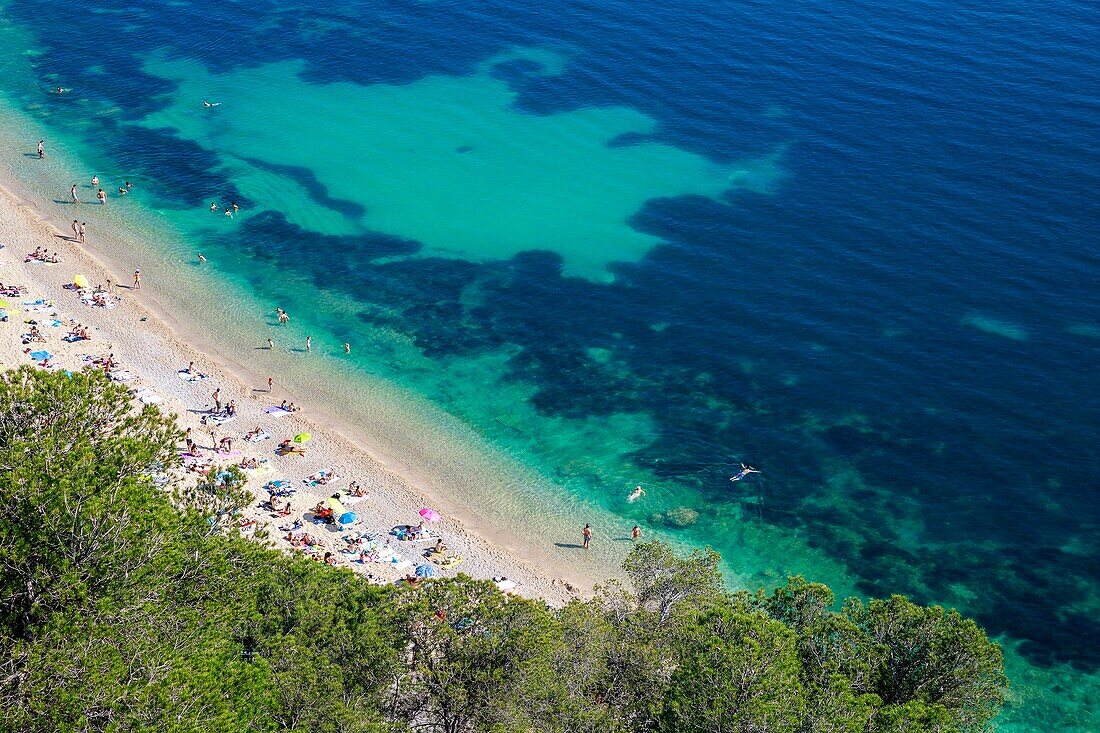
[583, 246]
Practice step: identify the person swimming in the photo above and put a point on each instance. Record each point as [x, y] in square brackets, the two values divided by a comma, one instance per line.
[745, 471]
[210, 104]
[638, 493]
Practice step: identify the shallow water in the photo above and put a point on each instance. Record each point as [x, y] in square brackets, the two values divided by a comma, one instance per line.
[638, 244]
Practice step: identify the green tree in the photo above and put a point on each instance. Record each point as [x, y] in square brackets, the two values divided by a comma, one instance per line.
[472, 654]
[737, 672]
[662, 580]
[924, 658]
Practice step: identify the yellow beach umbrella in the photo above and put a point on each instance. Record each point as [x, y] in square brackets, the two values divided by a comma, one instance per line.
[335, 505]
[302, 438]
[80, 281]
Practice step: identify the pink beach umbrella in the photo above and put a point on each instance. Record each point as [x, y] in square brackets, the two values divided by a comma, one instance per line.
[430, 514]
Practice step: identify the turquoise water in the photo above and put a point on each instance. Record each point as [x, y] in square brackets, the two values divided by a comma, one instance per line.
[623, 244]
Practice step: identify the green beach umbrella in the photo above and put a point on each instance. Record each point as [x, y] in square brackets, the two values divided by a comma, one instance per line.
[302, 438]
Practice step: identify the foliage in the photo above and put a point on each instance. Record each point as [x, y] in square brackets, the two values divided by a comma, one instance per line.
[120, 610]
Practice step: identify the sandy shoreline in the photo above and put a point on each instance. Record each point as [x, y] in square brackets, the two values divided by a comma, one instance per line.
[153, 346]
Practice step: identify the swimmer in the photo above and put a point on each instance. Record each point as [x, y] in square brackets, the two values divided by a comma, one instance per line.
[129, 185]
[202, 258]
[638, 493]
[233, 205]
[229, 212]
[95, 181]
[122, 191]
[213, 206]
[745, 471]
[210, 104]
[347, 348]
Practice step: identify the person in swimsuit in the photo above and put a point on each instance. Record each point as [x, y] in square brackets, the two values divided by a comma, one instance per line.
[745, 471]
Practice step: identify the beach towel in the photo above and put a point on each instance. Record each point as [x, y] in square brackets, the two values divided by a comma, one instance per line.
[41, 355]
[190, 376]
[258, 438]
[148, 396]
[217, 419]
[276, 411]
[324, 477]
[120, 375]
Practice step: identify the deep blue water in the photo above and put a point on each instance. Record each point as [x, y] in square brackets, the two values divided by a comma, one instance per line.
[929, 263]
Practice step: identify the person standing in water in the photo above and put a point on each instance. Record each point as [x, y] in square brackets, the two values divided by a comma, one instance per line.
[270, 345]
[347, 348]
[309, 343]
[41, 149]
[72, 193]
[95, 181]
[635, 533]
[102, 196]
[586, 534]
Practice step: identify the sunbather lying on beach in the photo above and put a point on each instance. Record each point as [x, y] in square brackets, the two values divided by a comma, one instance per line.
[280, 506]
[287, 448]
[301, 539]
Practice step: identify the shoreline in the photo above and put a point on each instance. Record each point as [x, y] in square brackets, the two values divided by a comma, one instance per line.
[152, 343]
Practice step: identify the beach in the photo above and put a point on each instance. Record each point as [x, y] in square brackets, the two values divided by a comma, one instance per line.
[150, 356]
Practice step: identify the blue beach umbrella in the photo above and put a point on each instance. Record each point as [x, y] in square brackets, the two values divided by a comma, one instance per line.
[425, 571]
[347, 517]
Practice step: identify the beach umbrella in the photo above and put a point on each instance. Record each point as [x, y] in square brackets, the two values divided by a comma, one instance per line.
[425, 571]
[347, 517]
[80, 281]
[302, 438]
[430, 514]
[335, 505]
[40, 355]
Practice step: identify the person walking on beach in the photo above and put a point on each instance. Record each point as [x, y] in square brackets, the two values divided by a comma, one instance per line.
[80, 231]
[72, 193]
[137, 279]
[309, 344]
[270, 383]
[76, 231]
[41, 149]
[102, 196]
[587, 535]
[635, 533]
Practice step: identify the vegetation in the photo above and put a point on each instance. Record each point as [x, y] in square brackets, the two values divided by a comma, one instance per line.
[121, 609]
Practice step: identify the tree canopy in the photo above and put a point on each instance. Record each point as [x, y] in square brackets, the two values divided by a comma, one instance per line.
[121, 609]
